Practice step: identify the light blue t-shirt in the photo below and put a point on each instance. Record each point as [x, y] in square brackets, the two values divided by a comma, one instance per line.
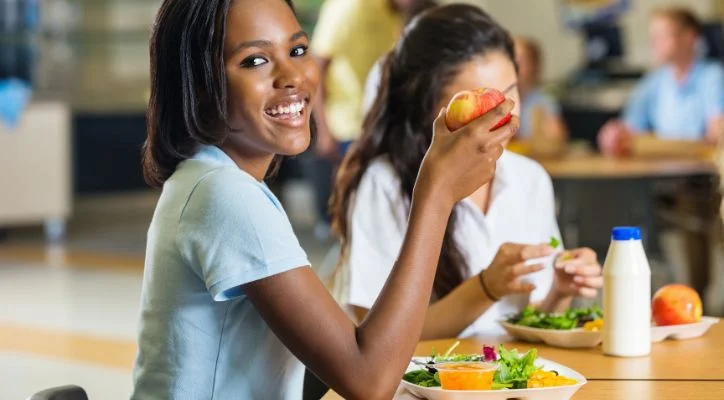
[535, 99]
[674, 110]
[215, 228]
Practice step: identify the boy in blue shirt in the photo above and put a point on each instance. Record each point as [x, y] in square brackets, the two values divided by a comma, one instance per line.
[681, 100]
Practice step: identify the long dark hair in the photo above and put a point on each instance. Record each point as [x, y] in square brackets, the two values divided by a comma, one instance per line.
[399, 125]
[187, 106]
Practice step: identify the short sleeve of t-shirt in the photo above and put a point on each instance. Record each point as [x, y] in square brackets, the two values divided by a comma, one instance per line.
[234, 231]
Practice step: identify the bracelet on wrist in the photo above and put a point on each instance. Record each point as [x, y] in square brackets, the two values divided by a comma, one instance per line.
[481, 278]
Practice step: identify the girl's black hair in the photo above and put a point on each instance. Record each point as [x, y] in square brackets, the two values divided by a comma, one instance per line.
[188, 103]
[399, 126]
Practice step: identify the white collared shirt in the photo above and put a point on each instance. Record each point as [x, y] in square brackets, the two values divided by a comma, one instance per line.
[522, 210]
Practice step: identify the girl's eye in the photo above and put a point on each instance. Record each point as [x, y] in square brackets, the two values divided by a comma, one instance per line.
[299, 51]
[253, 61]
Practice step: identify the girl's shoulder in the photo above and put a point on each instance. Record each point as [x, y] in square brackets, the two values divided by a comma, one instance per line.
[231, 187]
[380, 172]
[523, 170]
[380, 184]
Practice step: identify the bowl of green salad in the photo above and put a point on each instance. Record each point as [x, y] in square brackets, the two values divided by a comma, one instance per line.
[575, 328]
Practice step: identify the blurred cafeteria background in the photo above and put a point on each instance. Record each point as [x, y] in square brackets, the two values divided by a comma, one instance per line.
[74, 208]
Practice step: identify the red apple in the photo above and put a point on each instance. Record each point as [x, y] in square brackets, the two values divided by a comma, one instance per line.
[676, 305]
[467, 105]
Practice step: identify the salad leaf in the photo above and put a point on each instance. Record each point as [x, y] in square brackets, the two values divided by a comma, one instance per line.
[500, 386]
[573, 318]
[423, 378]
[554, 242]
[514, 370]
[458, 358]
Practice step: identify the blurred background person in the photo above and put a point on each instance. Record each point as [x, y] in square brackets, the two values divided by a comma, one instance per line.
[683, 99]
[372, 84]
[540, 113]
[350, 35]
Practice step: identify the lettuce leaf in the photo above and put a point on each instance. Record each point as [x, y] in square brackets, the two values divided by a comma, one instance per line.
[514, 370]
[423, 378]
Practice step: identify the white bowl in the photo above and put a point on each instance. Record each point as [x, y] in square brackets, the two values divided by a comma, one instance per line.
[680, 332]
[549, 393]
[573, 338]
[579, 338]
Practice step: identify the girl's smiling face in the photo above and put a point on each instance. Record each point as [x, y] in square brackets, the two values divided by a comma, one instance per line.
[271, 79]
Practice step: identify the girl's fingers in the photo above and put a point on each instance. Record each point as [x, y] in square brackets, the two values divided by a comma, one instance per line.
[521, 269]
[535, 251]
[594, 282]
[583, 253]
[585, 269]
[587, 292]
[518, 287]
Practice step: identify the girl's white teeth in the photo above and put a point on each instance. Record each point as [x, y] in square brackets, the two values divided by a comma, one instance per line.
[294, 108]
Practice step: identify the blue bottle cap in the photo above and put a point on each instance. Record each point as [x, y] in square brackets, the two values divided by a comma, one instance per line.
[626, 233]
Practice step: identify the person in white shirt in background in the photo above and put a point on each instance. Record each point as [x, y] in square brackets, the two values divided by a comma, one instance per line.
[493, 262]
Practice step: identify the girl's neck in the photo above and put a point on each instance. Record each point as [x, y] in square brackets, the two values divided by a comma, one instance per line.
[255, 165]
[482, 197]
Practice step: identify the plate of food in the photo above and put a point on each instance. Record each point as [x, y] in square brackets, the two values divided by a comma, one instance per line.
[676, 311]
[576, 328]
[494, 374]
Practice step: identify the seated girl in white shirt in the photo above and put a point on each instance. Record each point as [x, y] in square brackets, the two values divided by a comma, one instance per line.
[443, 51]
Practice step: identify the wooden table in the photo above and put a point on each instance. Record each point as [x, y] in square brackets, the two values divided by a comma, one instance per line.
[695, 359]
[600, 167]
[627, 390]
[687, 369]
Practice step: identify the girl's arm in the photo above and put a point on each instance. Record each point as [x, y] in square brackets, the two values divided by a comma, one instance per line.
[470, 301]
[367, 361]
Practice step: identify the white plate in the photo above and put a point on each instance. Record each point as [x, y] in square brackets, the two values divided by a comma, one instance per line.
[550, 393]
[578, 338]
[574, 338]
[680, 332]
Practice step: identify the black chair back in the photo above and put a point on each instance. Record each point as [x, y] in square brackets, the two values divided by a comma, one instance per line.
[70, 392]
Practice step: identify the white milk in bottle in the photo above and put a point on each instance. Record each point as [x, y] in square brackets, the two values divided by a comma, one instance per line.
[626, 296]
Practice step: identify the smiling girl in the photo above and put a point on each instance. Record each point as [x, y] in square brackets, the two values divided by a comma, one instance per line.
[230, 307]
